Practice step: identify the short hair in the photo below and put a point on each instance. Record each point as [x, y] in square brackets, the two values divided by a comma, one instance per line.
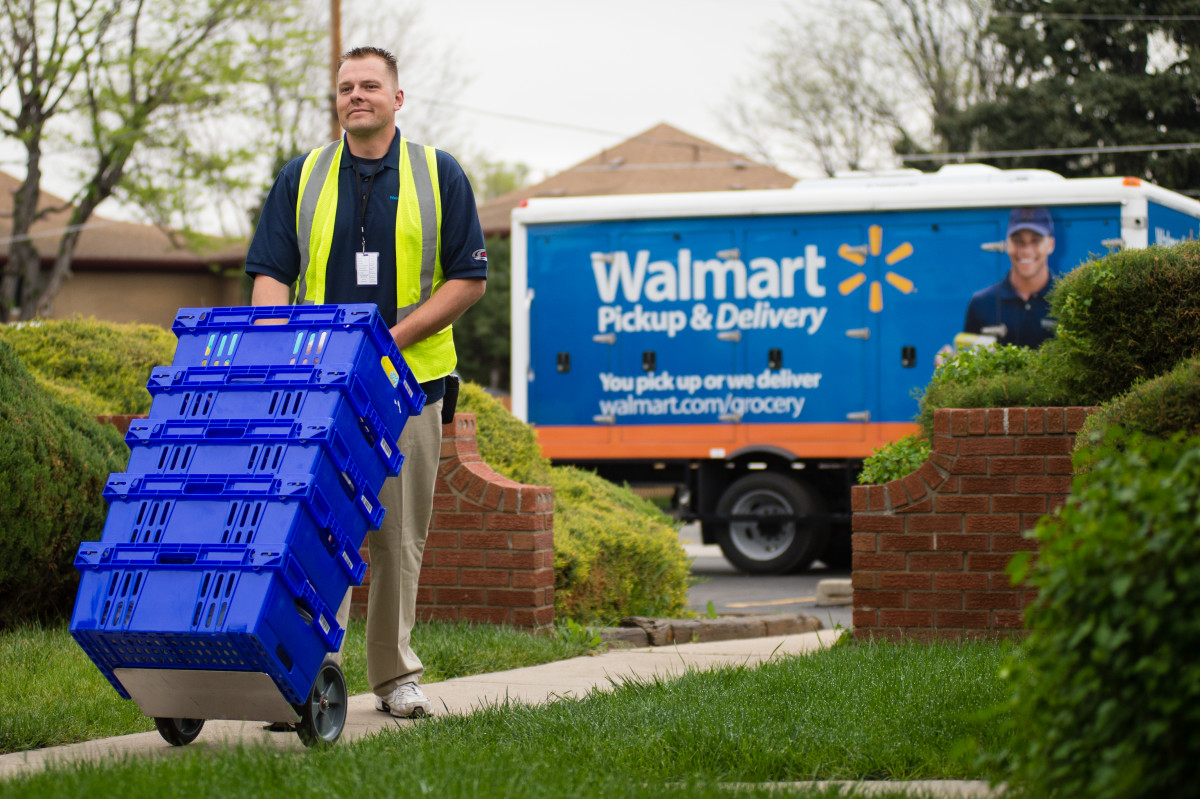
[373, 52]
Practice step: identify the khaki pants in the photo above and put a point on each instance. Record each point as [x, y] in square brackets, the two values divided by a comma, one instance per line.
[395, 556]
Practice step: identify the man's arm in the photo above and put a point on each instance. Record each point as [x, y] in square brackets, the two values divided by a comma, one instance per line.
[437, 313]
[269, 291]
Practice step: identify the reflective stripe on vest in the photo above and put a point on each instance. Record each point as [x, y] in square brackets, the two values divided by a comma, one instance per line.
[418, 242]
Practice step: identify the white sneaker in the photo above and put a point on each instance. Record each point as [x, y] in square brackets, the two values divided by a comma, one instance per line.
[405, 701]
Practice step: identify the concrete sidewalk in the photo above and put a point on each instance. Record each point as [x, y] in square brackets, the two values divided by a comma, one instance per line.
[533, 685]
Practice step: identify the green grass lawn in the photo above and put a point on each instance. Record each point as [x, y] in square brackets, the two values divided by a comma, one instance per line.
[57, 695]
[878, 711]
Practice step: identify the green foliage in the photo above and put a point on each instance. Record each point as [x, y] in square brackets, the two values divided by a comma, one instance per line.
[506, 443]
[1106, 702]
[894, 460]
[615, 554]
[1167, 404]
[98, 367]
[54, 462]
[1129, 316]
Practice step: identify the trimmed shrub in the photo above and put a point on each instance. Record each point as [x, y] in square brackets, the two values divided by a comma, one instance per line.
[1106, 699]
[615, 554]
[1167, 404]
[54, 462]
[1129, 316]
[991, 377]
[99, 367]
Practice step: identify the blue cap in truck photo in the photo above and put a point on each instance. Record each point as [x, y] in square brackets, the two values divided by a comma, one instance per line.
[1034, 218]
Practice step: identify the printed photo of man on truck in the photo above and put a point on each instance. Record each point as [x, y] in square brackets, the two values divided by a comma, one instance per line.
[1014, 310]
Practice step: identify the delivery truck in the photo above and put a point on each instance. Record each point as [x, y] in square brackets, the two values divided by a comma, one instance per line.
[747, 349]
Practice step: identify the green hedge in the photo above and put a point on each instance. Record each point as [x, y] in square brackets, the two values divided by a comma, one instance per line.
[1129, 316]
[54, 462]
[1106, 699]
[1160, 407]
[99, 367]
[615, 554]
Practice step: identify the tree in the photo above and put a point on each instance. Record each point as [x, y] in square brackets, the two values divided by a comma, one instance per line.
[128, 73]
[1121, 75]
[849, 86]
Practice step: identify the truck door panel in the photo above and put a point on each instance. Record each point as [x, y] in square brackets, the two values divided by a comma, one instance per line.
[565, 359]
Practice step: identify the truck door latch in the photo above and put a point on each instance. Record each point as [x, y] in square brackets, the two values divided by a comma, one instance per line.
[730, 335]
[649, 361]
[859, 416]
[863, 333]
[604, 419]
[564, 362]
[994, 246]
[605, 338]
[732, 418]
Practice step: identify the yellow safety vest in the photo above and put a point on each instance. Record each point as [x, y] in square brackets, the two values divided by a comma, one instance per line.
[418, 242]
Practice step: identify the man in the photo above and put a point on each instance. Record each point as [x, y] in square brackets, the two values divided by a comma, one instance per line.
[356, 221]
[1014, 310]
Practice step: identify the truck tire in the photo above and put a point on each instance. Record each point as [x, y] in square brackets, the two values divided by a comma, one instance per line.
[764, 546]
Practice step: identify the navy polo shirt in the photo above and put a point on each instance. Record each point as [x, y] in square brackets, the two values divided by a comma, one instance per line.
[1027, 320]
[275, 252]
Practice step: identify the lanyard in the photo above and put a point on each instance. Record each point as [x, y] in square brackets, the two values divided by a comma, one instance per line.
[365, 196]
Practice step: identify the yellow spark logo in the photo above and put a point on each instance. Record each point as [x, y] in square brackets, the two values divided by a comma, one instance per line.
[858, 256]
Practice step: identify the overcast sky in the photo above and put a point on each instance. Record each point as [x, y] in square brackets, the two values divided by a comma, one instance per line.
[595, 73]
[553, 82]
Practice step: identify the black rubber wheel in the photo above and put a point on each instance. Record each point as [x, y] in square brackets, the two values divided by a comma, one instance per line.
[178, 732]
[765, 546]
[323, 715]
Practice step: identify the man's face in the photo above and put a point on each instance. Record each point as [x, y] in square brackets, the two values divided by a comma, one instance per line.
[1029, 252]
[367, 96]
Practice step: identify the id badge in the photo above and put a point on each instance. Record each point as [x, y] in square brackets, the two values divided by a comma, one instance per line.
[367, 266]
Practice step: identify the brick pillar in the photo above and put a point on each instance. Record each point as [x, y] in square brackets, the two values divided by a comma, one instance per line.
[490, 552]
[930, 549]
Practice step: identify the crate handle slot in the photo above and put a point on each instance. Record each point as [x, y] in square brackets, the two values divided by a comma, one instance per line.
[176, 558]
[203, 488]
[225, 432]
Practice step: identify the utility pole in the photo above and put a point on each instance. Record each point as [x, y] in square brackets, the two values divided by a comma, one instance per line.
[335, 54]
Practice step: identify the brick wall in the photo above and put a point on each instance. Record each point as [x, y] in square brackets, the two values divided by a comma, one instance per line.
[930, 549]
[490, 552]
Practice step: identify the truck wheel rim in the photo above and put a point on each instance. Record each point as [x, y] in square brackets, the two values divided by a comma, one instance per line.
[762, 540]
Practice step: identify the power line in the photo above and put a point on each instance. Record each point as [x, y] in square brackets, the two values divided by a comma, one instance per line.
[1101, 17]
[1117, 148]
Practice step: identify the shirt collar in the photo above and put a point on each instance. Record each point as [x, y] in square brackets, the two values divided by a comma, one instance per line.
[1007, 292]
[390, 161]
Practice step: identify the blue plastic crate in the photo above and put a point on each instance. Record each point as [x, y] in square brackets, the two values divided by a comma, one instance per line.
[280, 392]
[297, 335]
[229, 608]
[289, 513]
[262, 447]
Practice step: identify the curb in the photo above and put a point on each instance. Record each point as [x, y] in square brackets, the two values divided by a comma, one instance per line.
[640, 631]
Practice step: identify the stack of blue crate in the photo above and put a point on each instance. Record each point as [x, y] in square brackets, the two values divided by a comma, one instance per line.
[234, 534]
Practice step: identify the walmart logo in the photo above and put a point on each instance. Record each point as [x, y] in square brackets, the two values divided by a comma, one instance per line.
[857, 254]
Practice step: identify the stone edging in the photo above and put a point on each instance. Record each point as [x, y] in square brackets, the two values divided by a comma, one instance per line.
[639, 631]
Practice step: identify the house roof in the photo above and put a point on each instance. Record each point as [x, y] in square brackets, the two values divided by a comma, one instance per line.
[109, 244]
[661, 159]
